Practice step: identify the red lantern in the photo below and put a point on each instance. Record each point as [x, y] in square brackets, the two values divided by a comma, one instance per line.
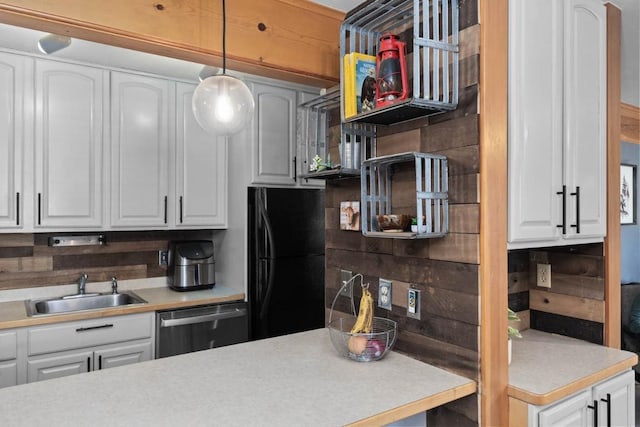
[391, 72]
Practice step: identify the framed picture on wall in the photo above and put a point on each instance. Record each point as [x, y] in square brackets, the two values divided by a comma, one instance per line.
[628, 194]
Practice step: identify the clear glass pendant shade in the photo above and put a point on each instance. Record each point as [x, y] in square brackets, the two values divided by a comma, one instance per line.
[223, 105]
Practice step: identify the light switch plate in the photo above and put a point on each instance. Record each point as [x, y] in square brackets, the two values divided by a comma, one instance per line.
[413, 303]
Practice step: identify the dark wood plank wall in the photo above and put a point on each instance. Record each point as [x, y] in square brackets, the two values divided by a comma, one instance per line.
[444, 269]
[27, 261]
[574, 305]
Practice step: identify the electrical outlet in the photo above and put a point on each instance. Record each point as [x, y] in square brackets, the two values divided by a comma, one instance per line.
[163, 258]
[345, 276]
[544, 275]
[384, 294]
[413, 303]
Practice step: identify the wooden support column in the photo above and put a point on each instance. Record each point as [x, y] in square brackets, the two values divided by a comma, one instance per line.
[494, 371]
[286, 39]
[612, 328]
[630, 123]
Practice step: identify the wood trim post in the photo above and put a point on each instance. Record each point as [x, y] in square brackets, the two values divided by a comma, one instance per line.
[612, 325]
[494, 370]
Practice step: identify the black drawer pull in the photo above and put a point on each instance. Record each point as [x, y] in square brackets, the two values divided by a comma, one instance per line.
[577, 224]
[17, 208]
[608, 400]
[90, 328]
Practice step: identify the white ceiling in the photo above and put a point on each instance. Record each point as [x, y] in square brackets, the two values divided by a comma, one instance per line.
[80, 50]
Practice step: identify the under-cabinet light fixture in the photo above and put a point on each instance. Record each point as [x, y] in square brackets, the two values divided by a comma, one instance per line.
[52, 43]
[222, 104]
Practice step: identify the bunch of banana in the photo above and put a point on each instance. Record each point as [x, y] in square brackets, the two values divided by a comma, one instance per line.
[364, 322]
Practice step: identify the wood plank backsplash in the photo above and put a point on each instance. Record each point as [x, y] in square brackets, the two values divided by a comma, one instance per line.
[444, 269]
[574, 305]
[27, 260]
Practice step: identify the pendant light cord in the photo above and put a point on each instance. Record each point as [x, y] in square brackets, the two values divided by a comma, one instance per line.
[224, 37]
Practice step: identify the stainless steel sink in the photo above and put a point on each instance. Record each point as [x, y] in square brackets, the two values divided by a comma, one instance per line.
[73, 303]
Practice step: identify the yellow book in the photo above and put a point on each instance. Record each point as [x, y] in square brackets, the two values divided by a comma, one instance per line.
[363, 68]
[349, 93]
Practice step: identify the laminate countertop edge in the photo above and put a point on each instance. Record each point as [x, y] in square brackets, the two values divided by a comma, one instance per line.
[548, 367]
[13, 313]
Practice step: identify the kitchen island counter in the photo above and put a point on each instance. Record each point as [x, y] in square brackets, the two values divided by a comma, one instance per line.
[292, 380]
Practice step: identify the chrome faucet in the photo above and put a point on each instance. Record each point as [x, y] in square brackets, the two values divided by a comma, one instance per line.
[114, 285]
[82, 283]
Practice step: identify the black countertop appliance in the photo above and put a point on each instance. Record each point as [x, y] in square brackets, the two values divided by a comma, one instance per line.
[286, 260]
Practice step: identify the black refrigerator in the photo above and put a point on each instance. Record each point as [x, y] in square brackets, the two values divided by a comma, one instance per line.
[286, 260]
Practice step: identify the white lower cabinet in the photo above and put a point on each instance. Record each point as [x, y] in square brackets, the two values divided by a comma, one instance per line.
[71, 348]
[76, 362]
[8, 358]
[607, 404]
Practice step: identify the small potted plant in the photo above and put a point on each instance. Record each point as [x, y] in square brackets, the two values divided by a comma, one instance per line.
[512, 331]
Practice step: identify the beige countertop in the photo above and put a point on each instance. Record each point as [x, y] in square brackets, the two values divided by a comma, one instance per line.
[548, 367]
[13, 314]
[292, 380]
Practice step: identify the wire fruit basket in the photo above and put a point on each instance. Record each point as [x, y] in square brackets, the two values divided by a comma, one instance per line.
[361, 347]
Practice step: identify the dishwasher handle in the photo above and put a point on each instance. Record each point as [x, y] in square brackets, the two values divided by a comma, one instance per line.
[237, 312]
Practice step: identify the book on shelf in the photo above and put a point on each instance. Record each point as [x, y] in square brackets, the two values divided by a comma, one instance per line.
[359, 83]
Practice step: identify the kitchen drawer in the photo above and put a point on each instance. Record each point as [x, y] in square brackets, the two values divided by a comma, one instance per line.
[8, 345]
[89, 333]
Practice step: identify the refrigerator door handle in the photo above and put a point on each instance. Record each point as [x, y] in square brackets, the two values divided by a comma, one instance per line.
[262, 207]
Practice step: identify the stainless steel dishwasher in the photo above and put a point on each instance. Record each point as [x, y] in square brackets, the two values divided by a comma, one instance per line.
[200, 328]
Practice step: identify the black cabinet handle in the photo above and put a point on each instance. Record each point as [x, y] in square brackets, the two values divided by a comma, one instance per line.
[577, 224]
[17, 208]
[89, 364]
[564, 209]
[180, 209]
[91, 328]
[595, 412]
[100, 362]
[165, 209]
[608, 401]
[295, 168]
[39, 208]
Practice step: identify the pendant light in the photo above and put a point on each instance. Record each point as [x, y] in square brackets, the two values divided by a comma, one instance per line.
[222, 104]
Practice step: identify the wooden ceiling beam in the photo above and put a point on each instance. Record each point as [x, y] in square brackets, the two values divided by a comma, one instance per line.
[290, 40]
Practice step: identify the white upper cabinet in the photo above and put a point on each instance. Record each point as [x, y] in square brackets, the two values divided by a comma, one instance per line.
[15, 71]
[69, 124]
[557, 122]
[274, 134]
[201, 168]
[141, 120]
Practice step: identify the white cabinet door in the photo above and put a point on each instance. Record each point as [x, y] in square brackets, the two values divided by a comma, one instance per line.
[69, 108]
[616, 400]
[58, 365]
[141, 118]
[201, 169]
[535, 120]
[122, 354]
[274, 135]
[585, 112]
[557, 113]
[573, 411]
[8, 373]
[15, 73]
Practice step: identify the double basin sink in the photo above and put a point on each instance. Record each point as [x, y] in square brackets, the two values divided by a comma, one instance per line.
[81, 302]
